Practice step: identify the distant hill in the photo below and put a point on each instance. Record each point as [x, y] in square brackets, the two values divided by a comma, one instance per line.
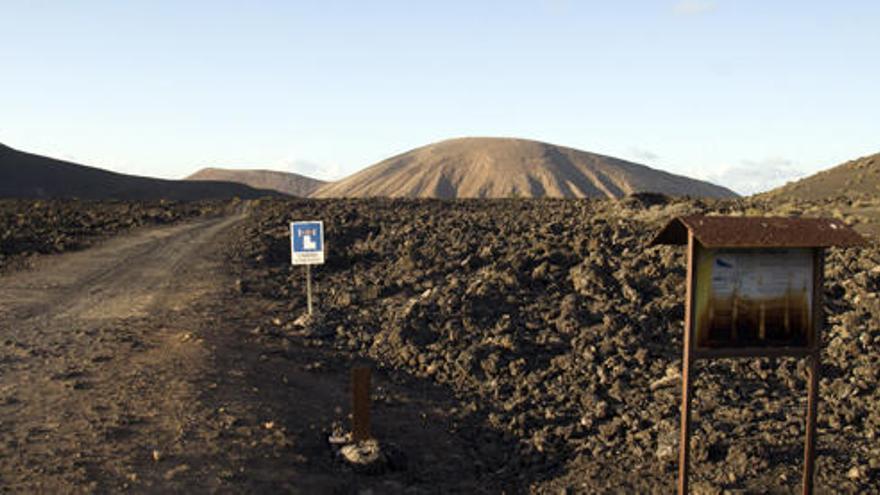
[25, 175]
[284, 182]
[854, 178]
[504, 167]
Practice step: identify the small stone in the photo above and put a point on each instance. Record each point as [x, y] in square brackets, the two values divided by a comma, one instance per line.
[171, 473]
[363, 453]
[303, 320]
[667, 447]
[854, 473]
[673, 376]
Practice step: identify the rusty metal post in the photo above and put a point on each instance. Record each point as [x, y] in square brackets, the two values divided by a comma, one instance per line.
[814, 369]
[360, 403]
[684, 442]
[810, 441]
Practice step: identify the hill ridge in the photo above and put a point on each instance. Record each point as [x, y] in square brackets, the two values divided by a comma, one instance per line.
[489, 167]
[28, 175]
[284, 182]
[850, 179]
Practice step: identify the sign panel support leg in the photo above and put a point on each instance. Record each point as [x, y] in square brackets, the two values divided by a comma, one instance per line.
[812, 406]
[684, 442]
[814, 369]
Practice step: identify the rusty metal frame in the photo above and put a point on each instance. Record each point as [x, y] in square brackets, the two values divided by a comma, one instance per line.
[753, 352]
[684, 444]
[759, 232]
[814, 370]
[812, 352]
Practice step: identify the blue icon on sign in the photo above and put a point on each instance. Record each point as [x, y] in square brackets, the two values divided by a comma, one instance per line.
[308, 237]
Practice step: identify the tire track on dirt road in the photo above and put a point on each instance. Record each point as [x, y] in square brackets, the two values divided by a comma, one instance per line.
[96, 356]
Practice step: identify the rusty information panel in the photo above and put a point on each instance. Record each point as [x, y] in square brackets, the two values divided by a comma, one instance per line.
[753, 298]
[754, 289]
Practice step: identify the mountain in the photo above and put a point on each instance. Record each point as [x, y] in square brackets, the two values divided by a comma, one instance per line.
[854, 178]
[506, 167]
[287, 183]
[25, 175]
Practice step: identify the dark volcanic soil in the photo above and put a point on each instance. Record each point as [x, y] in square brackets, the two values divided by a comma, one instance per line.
[556, 322]
[519, 345]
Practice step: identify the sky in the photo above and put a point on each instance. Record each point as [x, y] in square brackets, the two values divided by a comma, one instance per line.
[748, 94]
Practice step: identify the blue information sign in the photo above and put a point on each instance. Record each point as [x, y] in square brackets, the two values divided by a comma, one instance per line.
[307, 242]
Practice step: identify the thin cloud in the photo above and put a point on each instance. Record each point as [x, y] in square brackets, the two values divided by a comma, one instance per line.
[312, 169]
[754, 176]
[694, 7]
[643, 155]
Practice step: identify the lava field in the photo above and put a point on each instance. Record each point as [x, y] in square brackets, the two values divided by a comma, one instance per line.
[553, 325]
[556, 324]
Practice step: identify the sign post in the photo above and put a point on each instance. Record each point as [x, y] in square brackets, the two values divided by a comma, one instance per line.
[309, 287]
[360, 403]
[754, 289]
[307, 248]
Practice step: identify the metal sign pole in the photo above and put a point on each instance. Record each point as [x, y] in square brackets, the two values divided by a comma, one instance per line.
[810, 441]
[814, 370]
[684, 443]
[309, 287]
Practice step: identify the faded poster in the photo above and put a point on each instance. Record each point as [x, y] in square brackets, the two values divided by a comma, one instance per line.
[753, 298]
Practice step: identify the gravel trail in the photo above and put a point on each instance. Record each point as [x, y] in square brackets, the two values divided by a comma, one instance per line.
[94, 354]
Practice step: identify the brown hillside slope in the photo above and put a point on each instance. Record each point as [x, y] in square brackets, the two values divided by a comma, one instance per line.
[283, 182]
[855, 178]
[505, 167]
[25, 175]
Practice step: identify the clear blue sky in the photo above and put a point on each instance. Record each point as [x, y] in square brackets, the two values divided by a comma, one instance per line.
[747, 93]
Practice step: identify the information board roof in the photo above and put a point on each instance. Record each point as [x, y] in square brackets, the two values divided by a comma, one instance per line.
[756, 232]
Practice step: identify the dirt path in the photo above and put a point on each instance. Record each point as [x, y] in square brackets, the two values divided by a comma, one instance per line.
[95, 357]
[136, 366]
